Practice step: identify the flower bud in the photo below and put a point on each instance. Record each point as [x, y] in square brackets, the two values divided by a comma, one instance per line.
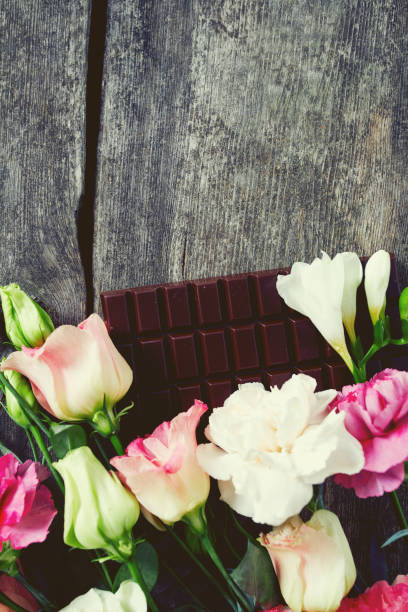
[313, 562]
[23, 388]
[99, 511]
[27, 324]
[403, 309]
[376, 279]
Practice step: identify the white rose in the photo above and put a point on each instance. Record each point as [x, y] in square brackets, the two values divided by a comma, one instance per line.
[325, 291]
[376, 279]
[129, 596]
[269, 447]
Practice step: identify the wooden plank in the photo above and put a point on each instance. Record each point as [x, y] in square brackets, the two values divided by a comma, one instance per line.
[43, 53]
[246, 135]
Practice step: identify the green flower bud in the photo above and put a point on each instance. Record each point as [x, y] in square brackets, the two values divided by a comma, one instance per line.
[403, 309]
[99, 511]
[403, 304]
[27, 324]
[23, 388]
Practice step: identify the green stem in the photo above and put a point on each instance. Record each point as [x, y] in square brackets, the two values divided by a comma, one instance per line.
[400, 341]
[25, 407]
[243, 530]
[138, 577]
[102, 452]
[31, 441]
[11, 604]
[117, 444]
[34, 592]
[201, 566]
[184, 586]
[218, 564]
[47, 457]
[400, 512]
[104, 570]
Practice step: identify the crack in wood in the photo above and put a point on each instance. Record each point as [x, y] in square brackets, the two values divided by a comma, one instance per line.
[84, 216]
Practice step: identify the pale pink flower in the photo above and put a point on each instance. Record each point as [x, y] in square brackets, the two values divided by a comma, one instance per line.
[26, 506]
[312, 561]
[17, 593]
[162, 470]
[381, 597]
[377, 415]
[77, 373]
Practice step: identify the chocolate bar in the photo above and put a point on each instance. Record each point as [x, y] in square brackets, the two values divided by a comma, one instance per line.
[201, 339]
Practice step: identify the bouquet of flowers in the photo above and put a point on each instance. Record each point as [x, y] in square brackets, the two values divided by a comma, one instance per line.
[270, 452]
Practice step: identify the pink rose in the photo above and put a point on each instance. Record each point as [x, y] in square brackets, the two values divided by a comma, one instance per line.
[381, 597]
[77, 373]
[377, 415]
[26, 509]
[162, 470]
[17, 593]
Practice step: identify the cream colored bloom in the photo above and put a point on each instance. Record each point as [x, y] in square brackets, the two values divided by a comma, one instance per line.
[313, 562]
[316, 290]
[268, 448]
[353, 275]
[376, 279]
[129, 596]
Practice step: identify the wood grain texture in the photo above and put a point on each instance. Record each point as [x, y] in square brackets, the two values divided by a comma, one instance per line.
[42, 106]
[244, 135]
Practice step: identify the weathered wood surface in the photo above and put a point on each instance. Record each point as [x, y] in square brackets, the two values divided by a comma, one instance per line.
[245, 135]
[43, 64]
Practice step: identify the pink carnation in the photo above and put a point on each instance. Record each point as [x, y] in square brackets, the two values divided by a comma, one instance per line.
[381, 597]
[26, 506]
[377, 415]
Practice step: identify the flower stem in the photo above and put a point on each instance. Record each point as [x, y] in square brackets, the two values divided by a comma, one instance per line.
[46, 455]
[104, 569]
[10, 604]
[138, 577]
[33, 448]
[117, 444]
[201, 566]
[218, 564]
[34, 592]
[400, 512]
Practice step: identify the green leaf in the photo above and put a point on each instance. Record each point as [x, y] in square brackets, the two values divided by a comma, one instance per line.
[148, 562]
[396, 536]
[65, 437]
[256, 576]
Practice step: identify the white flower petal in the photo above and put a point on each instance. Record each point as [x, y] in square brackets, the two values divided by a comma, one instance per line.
[216, 462]
[376, 279]
[353, 274]
[327, 449]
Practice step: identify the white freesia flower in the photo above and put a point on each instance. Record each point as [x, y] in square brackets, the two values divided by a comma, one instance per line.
[316, 291]
[269, 447]
[353, 275]
[376, 279]
[129, 596]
